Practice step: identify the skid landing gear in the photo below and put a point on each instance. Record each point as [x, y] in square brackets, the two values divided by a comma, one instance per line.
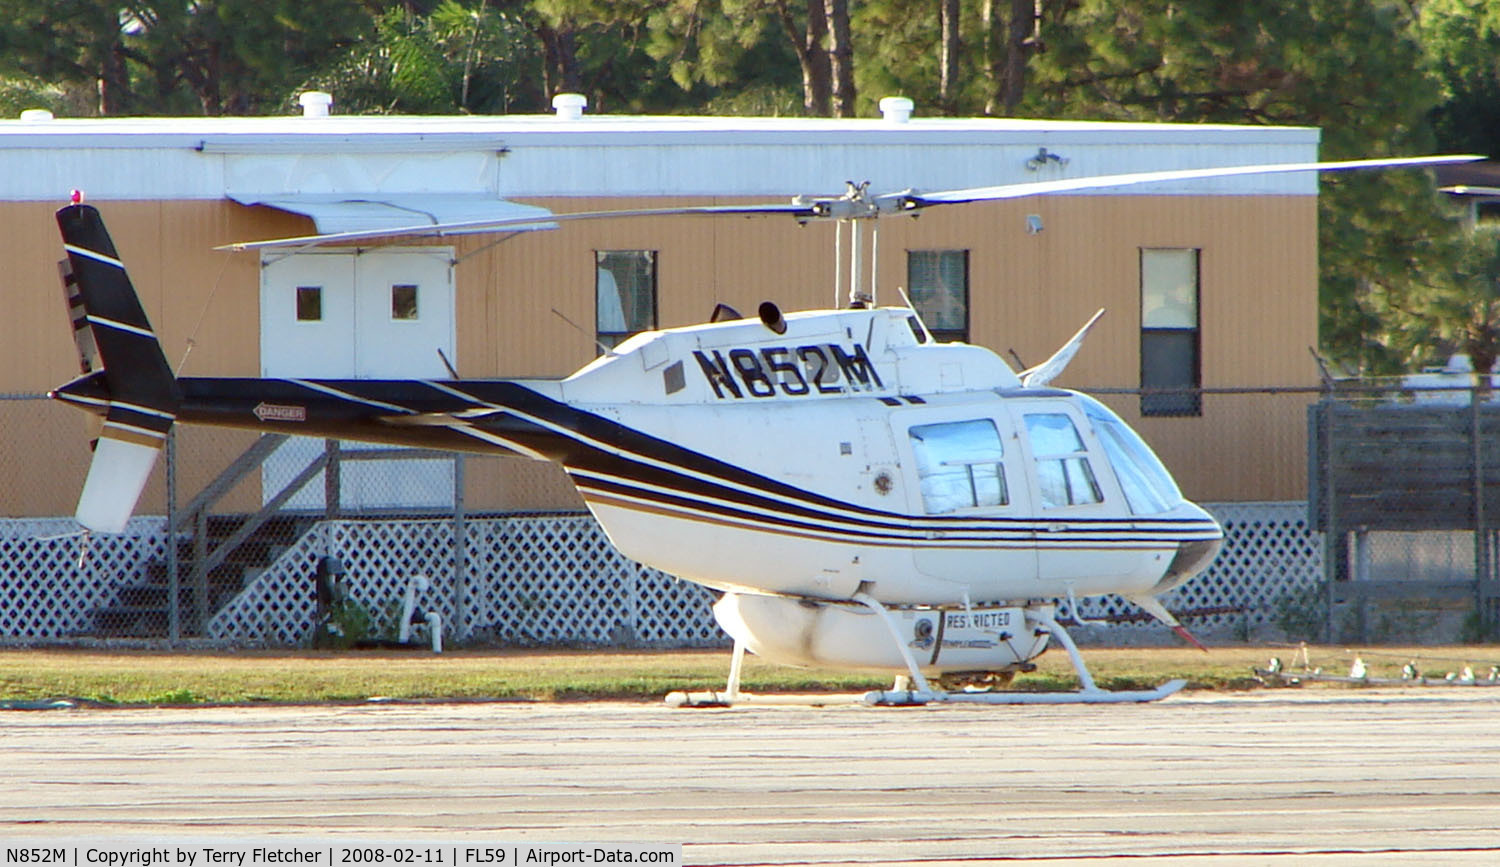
[913, 689]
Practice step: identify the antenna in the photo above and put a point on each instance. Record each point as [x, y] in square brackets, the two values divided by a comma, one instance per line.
[448, 364]
[605, 349]
[917, 313]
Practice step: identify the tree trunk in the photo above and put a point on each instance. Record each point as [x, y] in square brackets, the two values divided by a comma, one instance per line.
[1005, 56]
[811, 55]
[948, 13]
[560, 72]
[840, 57]
[114, 83]
[1483, 345]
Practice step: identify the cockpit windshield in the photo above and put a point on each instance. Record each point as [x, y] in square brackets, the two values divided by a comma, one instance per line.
[1148, 486]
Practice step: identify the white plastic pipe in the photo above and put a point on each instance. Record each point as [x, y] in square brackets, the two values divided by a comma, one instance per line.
[417, 584]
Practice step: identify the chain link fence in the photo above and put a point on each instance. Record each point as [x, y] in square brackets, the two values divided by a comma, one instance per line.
[1404, 484]
[512, 557]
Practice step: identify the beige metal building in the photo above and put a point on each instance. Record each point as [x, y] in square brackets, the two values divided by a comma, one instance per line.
[1209, 283]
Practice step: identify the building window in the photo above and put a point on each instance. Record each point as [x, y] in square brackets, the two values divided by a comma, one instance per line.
[938, 282]
[403, 301]
[624, 294]
[309, 303]
[1171, 341]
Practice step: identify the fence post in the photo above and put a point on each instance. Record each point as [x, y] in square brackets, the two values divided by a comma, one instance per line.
[1481, 547]
[1331, 537]
[332, 483]
[200, 556]
[174, 579]
[461, 590]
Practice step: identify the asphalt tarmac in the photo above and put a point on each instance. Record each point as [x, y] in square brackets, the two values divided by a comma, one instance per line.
[1317, 776]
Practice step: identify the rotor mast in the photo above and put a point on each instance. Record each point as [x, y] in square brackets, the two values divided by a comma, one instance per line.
[854, 208]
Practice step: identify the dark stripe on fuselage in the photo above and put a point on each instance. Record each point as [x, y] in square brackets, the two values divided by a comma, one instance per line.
[684, 467]
[590, 446]
[686, 508]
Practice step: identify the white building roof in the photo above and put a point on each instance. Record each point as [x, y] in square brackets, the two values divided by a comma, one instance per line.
[602, 155]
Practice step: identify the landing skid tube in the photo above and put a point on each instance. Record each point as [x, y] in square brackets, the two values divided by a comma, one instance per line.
[914, 690]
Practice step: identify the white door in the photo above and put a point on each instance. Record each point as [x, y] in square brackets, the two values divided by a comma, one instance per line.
[963, 471]
[1075, 490]
[342, 314]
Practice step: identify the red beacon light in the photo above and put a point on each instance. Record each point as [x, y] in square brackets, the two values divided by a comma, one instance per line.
[76, 197]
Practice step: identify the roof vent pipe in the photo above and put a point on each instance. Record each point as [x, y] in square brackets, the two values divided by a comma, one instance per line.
[36, 115]
[896, 109]
[315, 103]
[569, 106]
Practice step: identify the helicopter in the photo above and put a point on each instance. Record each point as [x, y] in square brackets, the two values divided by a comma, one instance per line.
[860, 495]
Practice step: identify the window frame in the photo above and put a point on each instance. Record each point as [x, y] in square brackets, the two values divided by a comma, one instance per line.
[1172, 404]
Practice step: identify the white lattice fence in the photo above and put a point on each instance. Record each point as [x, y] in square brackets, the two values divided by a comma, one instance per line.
[532, 581]
[52, 577]
[1269, 554]
[278, 607]
[549, 580]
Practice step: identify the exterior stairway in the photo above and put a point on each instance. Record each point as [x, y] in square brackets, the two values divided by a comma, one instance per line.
[142, 610]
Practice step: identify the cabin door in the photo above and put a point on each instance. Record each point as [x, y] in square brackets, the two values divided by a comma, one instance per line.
[345, 314]
[1084, 527]
[962, 480]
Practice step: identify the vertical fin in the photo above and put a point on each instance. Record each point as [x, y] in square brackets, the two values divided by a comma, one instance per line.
[140, 396]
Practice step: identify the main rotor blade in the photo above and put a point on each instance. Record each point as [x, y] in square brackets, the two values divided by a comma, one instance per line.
[884, 204]
[477, 226]
[913, 200]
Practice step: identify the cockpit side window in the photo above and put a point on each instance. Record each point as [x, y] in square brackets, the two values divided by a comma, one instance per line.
[1062, 465]
[960, 464]
[1148, 486]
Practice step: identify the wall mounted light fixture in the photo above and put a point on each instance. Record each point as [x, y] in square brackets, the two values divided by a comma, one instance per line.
[1043, 156]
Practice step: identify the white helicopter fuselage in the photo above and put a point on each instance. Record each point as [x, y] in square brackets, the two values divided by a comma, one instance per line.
[848, 453]
[863, 496]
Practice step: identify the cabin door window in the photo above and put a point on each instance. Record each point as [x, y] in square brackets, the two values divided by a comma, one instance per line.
[960, 465]
[1071, 481]
[1064, 475]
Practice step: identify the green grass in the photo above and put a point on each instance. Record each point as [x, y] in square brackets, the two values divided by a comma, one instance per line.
[145, 678]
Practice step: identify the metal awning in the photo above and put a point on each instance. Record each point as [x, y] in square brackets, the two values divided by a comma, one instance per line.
[361, 212]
